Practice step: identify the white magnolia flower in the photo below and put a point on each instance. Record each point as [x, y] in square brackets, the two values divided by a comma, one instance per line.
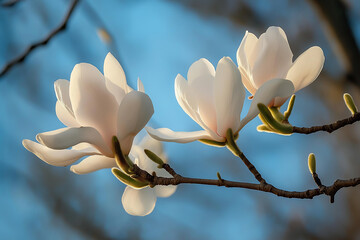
[214, 99]
[94, 107]
[269, 56]
[141, 202]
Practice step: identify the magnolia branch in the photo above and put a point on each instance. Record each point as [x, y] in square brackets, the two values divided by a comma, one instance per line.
[177, 179]
[57, 30]
[330, 127]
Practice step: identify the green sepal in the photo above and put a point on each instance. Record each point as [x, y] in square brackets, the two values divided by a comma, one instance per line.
[155, 158]
[289, 109]
[212, 143]
[312, 163]
[231, 144]
[275, 112]
[123, 162]
[127, 179]
[279, 127]
[349, 102]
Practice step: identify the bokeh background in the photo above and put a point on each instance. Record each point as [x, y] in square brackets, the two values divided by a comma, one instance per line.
[156, 40]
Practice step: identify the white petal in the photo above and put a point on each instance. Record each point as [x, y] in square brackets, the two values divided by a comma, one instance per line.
[306, 68]
[93, 105]
[61, 87]
[140, 86]
[187, 100]
[229, 95]
[134, 112]
[245, 50]
[138, 202]
[273, 56]
[200, 68]
[154, 145]
[67, 137]
[115, 90]
[114, 72]
[65, 116]
[92, 164]
[167, 135]
[185, 97]
[281, 88]
[164, 191]
[53, 157]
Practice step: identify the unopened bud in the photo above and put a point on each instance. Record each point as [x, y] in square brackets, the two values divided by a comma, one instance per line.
[312, 163]
[349, 102]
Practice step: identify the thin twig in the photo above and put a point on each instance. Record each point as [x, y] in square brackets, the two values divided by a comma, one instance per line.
[10, 3]
[263, 187]
[330, 127]
[57, 30]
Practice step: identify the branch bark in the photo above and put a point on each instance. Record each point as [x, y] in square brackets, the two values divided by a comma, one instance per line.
[263, 187]
[329, 127]
[32, 47]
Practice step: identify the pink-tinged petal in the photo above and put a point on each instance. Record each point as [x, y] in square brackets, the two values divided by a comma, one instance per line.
[65, 116]
[67, 137]
[167, 135]
[134, 112]
[229, 95]
[93, 105]
[138, 202]
[306, 68]
[280, 88]
[245, 50]
[140, 86]
[273, 56]
[114, 72]
[164, 191]
[200, 68]
[92, 164]
[53, 157]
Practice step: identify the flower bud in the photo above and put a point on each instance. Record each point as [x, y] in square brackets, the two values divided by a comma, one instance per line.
[349, 102]
[312, 163]
[155, 158]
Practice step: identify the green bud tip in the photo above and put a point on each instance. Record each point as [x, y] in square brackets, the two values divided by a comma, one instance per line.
[312, 163]
[349, 102]
[155, 158]
[289, 109]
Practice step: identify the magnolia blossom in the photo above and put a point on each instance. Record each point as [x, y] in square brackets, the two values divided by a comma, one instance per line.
[141, 202]
[94, 107]
[214, 99]
[269, 56]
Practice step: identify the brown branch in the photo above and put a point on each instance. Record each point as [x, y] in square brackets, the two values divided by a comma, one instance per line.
[263, 187]
[330, 127]
[57, 30]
